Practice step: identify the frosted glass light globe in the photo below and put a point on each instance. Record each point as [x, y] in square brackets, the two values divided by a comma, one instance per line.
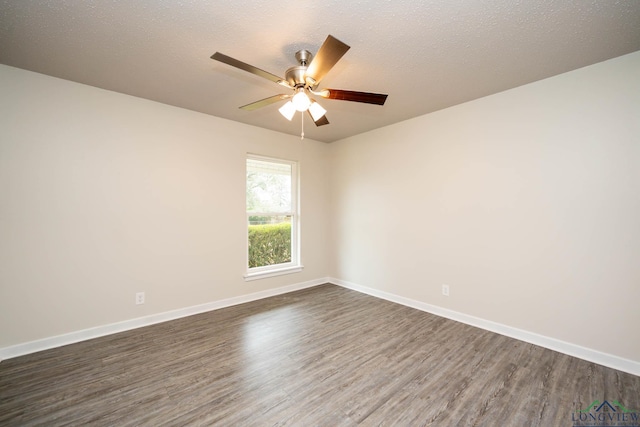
[301, 101]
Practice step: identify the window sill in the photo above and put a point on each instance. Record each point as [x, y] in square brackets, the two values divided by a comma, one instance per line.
[272, 273]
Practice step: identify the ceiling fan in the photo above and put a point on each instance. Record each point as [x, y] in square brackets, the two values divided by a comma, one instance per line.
[304, 80]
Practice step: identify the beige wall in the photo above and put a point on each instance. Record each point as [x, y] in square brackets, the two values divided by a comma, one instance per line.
[103, 195]
[526, 203]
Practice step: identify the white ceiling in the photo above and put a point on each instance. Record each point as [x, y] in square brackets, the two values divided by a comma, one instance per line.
[426, 54]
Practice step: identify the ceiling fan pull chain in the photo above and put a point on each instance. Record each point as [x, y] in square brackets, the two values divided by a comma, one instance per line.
[302, 126]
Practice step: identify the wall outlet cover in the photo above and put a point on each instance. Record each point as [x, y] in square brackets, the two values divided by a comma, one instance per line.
[445, 290]
[140, 298]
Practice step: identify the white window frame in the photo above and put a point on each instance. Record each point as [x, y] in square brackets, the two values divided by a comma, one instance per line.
[294, 266]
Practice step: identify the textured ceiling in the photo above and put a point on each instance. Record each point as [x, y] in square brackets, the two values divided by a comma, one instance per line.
[426, 54]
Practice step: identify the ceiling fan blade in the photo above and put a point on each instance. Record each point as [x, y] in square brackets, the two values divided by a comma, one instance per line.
[329, 54]
[249, 68]
[321, 121]
[349, 95]
[264, 102]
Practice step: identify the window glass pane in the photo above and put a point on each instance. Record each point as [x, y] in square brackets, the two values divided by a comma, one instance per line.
[272, 219]
[268, 187]
[269, 240]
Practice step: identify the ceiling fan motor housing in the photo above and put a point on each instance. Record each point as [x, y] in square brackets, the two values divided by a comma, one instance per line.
[295, 75]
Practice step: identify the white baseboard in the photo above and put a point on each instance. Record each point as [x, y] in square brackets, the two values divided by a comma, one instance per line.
[608, 360]
[590, 355]
[100, 331]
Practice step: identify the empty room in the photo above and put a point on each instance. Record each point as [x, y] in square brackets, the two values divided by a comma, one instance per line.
[372, 213]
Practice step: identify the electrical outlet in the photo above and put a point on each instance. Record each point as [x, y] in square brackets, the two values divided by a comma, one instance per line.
[445, 290]
[140, 298]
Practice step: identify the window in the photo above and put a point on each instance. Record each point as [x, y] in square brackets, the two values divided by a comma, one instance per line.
[272, 218]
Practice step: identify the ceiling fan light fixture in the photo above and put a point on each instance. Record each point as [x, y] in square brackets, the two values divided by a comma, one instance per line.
[316, 111]
[303, 80]
[300, 100]
[288, 110]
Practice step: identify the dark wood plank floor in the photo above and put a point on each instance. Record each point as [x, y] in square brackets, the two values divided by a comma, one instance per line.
[322, 356]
